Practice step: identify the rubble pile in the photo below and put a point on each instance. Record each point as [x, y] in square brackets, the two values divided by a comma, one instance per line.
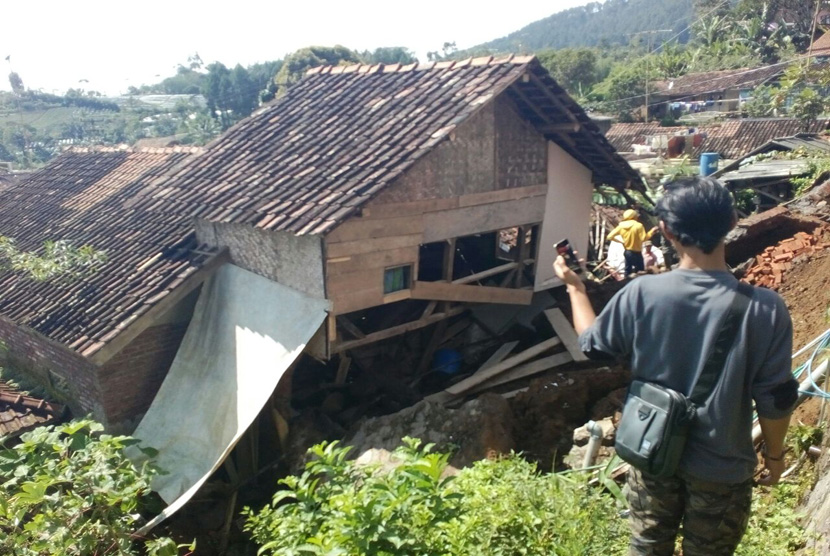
[771, 265]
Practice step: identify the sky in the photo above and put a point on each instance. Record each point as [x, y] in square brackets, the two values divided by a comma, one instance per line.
[109, 45]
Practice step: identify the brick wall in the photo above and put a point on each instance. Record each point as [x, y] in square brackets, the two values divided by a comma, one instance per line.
[70, 378]
[130, 380]
[118, 393]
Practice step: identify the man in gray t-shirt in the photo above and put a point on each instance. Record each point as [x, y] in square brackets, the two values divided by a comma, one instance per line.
[665, 326]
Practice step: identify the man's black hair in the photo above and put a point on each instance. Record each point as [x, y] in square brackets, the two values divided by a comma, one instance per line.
[697, 211]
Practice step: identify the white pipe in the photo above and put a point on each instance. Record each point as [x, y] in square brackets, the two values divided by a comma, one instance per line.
[594, 443]
[805, 387]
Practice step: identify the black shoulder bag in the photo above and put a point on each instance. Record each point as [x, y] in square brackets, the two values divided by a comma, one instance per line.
[655, 421]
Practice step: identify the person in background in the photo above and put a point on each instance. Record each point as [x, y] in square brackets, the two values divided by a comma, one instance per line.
[652, 257]
[665, 326]
[631, 234]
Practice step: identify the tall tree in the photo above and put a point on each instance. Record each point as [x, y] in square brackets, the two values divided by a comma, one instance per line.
[296, 64]
[17, 83]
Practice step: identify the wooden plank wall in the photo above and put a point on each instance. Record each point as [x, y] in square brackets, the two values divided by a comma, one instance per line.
[388, 235]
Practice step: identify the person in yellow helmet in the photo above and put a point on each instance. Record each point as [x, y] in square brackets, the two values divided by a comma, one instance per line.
[631, 233]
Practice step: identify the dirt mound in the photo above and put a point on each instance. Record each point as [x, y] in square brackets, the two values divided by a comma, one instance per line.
[548, 412]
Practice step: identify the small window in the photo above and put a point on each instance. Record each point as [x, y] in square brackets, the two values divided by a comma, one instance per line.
[397, 278]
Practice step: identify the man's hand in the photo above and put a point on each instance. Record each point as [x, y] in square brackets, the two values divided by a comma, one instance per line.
[653, 230]
[564, 273]
[773, 468]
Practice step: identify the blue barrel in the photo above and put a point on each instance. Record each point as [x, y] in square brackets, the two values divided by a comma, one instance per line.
[447, 361]
[709, 163]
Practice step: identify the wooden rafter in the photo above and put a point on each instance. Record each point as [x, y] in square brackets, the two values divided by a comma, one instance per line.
[396, 330]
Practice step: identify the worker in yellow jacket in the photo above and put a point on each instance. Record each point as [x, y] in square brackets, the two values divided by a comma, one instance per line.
[631, 233]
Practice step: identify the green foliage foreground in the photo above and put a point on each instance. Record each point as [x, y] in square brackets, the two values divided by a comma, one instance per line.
[69, 490]
[497, 507]
[500, 507]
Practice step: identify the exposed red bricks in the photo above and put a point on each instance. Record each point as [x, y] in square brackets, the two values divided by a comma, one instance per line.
[772, 264]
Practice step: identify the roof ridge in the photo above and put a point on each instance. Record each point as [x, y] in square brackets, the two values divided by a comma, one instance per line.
[142, 150]
[423, 66]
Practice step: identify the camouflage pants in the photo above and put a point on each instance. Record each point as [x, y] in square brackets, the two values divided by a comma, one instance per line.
[714, 515]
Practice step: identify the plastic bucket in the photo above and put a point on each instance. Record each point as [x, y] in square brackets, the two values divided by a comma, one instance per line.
[709, 163]
[447, 361]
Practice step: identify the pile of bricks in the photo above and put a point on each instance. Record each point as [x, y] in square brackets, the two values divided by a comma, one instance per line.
[771, 265]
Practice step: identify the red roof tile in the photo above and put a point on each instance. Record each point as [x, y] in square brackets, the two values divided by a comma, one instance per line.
[731, 139]
[343, 134]
[92, 197]
[821, 47]
[20, 413]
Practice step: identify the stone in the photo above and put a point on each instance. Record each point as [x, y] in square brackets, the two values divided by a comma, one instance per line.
[478, 429]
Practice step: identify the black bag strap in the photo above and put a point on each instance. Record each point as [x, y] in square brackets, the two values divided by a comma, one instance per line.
[723, 344]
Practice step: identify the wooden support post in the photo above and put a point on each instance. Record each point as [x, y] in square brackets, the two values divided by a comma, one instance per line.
[343, 369]
[448, 267]
[230, 513]
[350, 327]
[434, 341]
[521, 249]
[430, 308]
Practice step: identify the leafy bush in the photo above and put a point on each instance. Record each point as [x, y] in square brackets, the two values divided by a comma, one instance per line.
[69, 490]
[494, 508]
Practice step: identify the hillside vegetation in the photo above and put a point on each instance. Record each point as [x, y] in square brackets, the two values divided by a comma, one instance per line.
[608, 23]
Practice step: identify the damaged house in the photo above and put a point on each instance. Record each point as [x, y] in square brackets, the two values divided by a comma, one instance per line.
[367, 202]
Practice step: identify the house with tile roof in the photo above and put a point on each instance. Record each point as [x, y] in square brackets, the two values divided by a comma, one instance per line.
[381, 189]
[731, 139]
[711, 91]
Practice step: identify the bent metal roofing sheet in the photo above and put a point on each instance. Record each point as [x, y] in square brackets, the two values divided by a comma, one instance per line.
[306, 162]
[87, 197]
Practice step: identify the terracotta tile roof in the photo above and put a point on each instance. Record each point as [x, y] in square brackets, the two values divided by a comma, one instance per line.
[693, 84]
[731, 139]
[19, 413]
[821, 46]
[87, 196]
[308, 160]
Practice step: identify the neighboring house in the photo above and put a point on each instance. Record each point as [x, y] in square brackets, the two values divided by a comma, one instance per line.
[364, 186]
[102, 342]
[768, 176]
[711, 91]
[731, 138]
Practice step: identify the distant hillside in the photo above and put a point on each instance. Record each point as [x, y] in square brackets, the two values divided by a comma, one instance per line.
[611, 22]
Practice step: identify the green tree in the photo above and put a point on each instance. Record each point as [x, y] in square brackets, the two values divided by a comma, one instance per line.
[389, 55]
[201, 128]
[16, 83]
[575, 69]
[296, 64]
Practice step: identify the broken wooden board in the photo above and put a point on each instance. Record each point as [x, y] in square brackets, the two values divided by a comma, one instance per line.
[485, 374]
[444, 291]
[523, 371]
[566, 333]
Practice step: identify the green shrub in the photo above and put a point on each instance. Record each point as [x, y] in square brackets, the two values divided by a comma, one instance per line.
[69, 490]
[496, 507]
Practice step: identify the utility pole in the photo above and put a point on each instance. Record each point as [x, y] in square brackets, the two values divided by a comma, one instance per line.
[648, 53]
[813, 35]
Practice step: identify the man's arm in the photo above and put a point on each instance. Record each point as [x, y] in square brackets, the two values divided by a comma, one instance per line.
[583, 312]
[613, 235]
[774, 431]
